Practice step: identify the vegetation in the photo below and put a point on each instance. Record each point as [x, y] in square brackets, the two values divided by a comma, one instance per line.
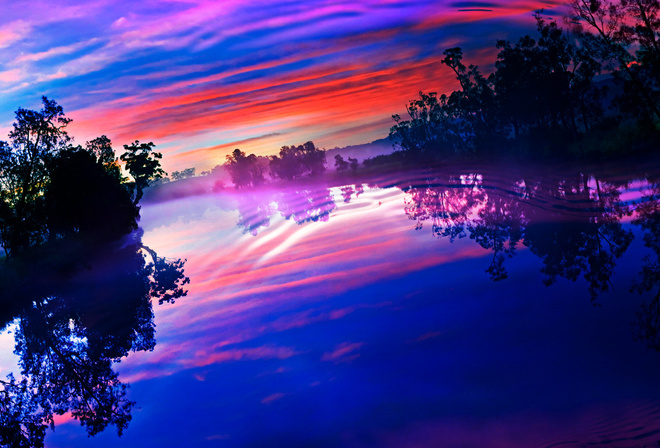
[51, 189]
[543, 98]
[80, 300]
[292, 162]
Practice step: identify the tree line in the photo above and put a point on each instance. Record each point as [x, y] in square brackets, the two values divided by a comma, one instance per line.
[544, 96]
[52, 189]
[291, 163]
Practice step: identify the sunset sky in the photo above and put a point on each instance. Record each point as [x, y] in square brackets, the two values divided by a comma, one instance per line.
[200, 78]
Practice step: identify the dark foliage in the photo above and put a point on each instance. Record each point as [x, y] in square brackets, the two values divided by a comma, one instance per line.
[72, 328]
[542, 99]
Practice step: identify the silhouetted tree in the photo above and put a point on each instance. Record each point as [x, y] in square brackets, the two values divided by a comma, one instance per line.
[84, 196]
[626, 39]
[431, 127]
[245, 170]
[143, 164]
[295, 161]
[36, 137]
[340, 163]
[184, 174]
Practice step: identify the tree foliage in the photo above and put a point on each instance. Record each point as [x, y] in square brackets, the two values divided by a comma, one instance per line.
[183, 174]
[245, 170]
[72, 329]
[543, 94]
[143, 164]
[624, 34]
[296, 161]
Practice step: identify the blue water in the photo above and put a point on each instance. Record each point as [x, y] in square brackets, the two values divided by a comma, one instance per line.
[410, 311]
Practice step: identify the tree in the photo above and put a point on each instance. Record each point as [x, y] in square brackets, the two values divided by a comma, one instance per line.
[474, 104]
[340, 163]
[245, 170]
[85, 196]
[626, 39]
[36, 137]
[144, 166]
[184, 174]
[545, 85]
[430, 127]
[101, 148]
[295, 161]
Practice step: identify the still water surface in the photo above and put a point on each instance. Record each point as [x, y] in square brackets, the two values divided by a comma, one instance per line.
[462, 307]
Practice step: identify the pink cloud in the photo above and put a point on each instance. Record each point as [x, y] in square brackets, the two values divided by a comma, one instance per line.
[13, 32]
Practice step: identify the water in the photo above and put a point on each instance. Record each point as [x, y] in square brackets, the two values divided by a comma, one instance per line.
[465, 306]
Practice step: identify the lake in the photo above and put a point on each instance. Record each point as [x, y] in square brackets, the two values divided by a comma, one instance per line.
[463, 306]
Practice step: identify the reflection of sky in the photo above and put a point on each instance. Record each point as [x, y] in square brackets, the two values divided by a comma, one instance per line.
[361, 331]
[200, 78]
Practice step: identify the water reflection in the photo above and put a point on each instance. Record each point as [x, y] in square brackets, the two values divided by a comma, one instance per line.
[305, 204]
[572, 223]
[647, 326]
[570, 219]
[360, 331]
[77, 311]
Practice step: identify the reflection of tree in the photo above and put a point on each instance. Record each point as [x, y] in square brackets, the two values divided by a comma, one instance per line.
[347, 192]
[448, 207]
[74, 324]
[574, 230]
[647, 326]
[304, 205]
[586, 237]
[498, 227]
[254, 211]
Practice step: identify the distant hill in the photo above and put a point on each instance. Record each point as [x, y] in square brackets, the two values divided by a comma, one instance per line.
[360, 152]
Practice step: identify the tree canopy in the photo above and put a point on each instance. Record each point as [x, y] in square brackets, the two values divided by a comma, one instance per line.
[543, 96]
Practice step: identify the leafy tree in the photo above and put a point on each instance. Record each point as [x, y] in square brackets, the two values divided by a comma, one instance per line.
[144, 166]
[625, 37]
[340, 163]
[36, 137]
[101, 148]
[295, 161]
[84, 196]
[245, 170]
[184, 174]
[474, 104]
[353, 163]
[459, 122]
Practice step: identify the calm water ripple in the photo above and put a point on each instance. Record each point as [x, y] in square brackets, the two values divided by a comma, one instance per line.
[456, 307]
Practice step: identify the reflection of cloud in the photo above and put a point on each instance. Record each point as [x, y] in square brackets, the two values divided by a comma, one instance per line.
[429, 335]
[237, 297]
[269, 399]
[343, 352]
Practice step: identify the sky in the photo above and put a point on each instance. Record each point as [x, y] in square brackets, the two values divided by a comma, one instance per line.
[200, 78]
